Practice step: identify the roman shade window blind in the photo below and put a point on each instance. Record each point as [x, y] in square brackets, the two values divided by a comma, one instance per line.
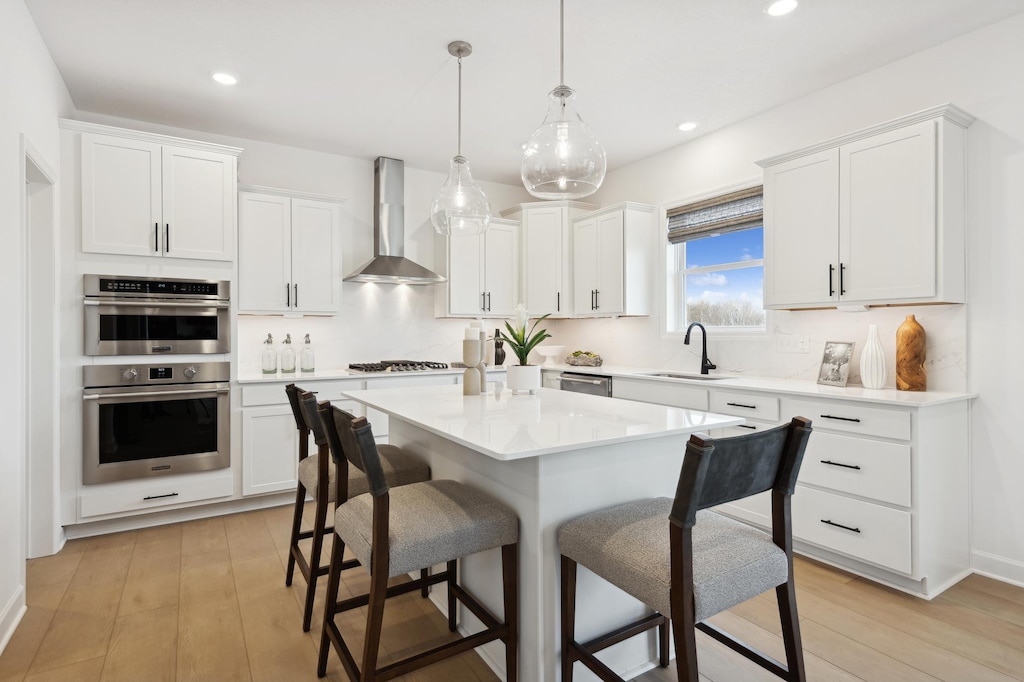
[730, 212]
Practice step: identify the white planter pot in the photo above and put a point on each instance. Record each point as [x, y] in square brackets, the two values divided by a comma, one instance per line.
[523, 378]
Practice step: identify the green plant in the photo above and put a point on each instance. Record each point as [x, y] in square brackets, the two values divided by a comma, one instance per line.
[521, 342]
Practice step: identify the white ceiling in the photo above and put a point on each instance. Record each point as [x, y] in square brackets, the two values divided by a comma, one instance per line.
[370, 78]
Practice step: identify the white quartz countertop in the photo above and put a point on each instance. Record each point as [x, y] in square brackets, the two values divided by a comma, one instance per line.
[326, 374]
[506, 426]
[884, 396]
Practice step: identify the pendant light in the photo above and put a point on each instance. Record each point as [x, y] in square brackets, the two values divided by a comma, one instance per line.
[460, 206]
[563, 159]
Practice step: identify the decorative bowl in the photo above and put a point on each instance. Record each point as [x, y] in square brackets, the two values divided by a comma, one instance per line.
[549, 353]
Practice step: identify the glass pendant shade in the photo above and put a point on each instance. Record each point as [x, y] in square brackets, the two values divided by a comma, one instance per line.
[563, 159]
[460, 206]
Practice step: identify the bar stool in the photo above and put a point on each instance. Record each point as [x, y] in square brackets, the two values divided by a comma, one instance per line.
[400, 530]
[318, 477]
[682, 560]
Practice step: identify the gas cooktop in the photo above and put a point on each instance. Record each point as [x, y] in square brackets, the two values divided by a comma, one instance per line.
[397, 366]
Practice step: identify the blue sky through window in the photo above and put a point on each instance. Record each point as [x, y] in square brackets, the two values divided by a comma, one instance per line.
[741, 284]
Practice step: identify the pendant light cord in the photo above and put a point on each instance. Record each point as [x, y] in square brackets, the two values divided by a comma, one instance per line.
[561, 42]
[460, 107]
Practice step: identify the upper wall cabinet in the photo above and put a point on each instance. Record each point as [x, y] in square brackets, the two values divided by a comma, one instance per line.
[289, 252]
[151, 195]
[482, 272]
[547, 254]
[613, 259]
[873, 218]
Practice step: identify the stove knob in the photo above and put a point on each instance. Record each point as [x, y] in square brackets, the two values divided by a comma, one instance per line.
[190, 372]
[130, 374]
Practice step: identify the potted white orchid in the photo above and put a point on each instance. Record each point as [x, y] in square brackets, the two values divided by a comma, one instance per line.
[523, 376]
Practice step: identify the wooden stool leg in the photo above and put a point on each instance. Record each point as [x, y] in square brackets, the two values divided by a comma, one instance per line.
[453, 574]
[510, 580]
[568, 616]
[333, 582]
[786, 596]
[300, 499]
[314, 561]
[425, 590]
[663, 644]
[374, 621]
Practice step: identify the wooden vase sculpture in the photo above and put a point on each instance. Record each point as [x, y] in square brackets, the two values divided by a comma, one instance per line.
[910, 356]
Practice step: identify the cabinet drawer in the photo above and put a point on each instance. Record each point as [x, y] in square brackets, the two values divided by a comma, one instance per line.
[865, 531]
[850, 417]
[869, 468]
[256, 395]
[140, 495]
[745, 405]
[660, 393]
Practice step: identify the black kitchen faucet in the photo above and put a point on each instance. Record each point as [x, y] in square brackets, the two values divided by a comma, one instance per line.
[705, 364]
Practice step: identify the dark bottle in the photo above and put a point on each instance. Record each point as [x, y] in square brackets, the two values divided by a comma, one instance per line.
[499, 350]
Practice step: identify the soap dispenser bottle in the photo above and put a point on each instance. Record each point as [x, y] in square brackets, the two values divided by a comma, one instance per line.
[268, 357]
[307, 360]
[287, 355]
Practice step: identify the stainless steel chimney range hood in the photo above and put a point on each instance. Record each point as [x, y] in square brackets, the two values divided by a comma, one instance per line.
[389, 264]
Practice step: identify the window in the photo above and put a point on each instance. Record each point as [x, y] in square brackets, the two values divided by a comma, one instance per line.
[716, 256]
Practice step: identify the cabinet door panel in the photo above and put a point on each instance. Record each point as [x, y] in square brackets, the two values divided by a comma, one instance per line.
[610, 268]
[544, 261]
[801, 210]
[264, 252]
[584, 259]
[316, 271]
[500, 264]
[198, 204]
[465, 274]
[120, 196]
[269, 450]
[887, 215]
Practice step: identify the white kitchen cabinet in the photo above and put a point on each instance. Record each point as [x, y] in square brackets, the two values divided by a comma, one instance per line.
[546, 269]
[613, 259]
[660, 393]
[150, 195]
[875, 217]
[482, 272]
[289, 252]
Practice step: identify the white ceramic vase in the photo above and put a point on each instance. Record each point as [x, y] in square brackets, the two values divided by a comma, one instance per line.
[872, 361]
[523, 378]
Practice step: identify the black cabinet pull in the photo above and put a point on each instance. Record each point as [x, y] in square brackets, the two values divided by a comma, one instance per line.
[488, 301]
[842, 287]
[558, 301]
[156, 237]
[749, 407]
[831, 289]
[597, 299]
[296, 295]
[287, 295]
[167, 238]
[839, 464]
[157, 497]
[839, 525]
[483, 301]
[747, 426]
[842, 419]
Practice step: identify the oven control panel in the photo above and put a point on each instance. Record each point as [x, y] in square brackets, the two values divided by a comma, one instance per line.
[98, 376]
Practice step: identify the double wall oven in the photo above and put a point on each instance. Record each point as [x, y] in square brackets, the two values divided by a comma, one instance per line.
[148, 417]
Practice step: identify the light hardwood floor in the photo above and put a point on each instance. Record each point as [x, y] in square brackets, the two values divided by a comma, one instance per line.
[206, 601]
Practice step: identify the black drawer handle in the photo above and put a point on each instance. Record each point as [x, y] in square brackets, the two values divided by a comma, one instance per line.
[840, 464]
[844, 419]
[749, 407]
[746, 426]
[839, 525]
[157, 497]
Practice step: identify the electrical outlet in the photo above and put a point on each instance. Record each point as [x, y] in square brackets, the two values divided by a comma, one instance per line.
[792, 343]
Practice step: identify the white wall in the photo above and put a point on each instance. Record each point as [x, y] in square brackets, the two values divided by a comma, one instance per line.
[33, 97]
[972, 346]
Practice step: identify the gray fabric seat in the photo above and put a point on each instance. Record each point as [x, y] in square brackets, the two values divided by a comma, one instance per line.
[400, 468]
[628, 546]
[431, 523]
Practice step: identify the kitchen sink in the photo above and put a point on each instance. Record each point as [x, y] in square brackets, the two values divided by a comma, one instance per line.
[684, 375]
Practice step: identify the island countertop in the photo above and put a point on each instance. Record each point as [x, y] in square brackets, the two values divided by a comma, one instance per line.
[508, 427]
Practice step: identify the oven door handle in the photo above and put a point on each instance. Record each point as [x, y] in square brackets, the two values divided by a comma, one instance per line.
[161, 303]
[154, 394]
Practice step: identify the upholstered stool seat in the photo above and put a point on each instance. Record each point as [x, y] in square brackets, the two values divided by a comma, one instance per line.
[628, 546]
[400, 468]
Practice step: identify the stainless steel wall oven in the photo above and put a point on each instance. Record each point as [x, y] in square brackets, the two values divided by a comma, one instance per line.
[149, 315]
[154, 420]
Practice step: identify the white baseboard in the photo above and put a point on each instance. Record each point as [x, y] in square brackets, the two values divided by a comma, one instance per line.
[998, 567]
[11, 615]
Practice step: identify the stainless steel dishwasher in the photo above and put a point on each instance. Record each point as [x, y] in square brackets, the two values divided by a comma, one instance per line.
[593, 384]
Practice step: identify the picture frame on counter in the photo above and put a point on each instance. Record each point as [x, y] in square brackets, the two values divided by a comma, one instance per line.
[835, 363]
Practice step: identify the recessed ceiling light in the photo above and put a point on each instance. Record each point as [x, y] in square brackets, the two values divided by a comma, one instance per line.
[778, 8]
[224, 78]
[687, 126]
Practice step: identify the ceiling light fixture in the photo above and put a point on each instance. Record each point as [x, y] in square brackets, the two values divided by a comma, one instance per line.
[687, 126]
[460, 206]
[778, 8]
[563, 159]
[224, 78]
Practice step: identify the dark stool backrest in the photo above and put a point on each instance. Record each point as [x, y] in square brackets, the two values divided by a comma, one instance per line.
[716, 472]
[294, 392]
[366, 452]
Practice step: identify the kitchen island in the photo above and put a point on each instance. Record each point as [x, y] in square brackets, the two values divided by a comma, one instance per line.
[550, 457]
